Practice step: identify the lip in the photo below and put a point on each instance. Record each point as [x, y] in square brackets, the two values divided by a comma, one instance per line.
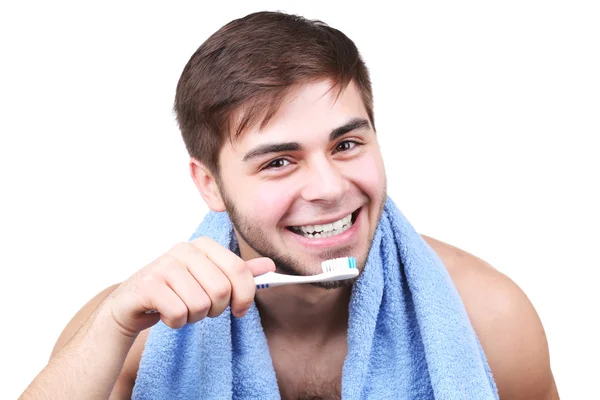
[343, 239]
[326, 221]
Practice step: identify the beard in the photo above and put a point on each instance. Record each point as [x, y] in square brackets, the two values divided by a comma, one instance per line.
[250, 231]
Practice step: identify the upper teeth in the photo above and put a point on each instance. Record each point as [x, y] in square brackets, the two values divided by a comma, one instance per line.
[326, 227]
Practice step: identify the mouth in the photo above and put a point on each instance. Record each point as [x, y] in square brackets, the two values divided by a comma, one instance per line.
[320, 231]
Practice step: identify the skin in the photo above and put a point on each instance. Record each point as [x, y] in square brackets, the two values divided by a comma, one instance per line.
[322, 179]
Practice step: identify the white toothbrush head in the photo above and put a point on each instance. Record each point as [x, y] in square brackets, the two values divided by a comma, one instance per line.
[337, 264]
[335, 269]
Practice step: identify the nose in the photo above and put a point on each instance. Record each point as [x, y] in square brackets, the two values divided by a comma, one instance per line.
[324, 182]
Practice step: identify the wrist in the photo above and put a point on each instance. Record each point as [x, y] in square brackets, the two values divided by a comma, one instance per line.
[105, 324]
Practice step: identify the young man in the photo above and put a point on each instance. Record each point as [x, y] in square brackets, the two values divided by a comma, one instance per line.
[277, 115]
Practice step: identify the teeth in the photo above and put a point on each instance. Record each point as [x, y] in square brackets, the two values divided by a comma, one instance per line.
[326, 230]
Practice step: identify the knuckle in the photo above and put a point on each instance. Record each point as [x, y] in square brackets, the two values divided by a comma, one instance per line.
[221, 292]
[148, 278]
[243, 297]
[180, 312]
[241, 308]
[200, 241]
[215, 311]
[204, 304]
[238, 269]
[180, 248]
[177, 317]
[173, 323]
[220, 296]
[200, 309]
[168, 262]
[244, 301]
[168, 259]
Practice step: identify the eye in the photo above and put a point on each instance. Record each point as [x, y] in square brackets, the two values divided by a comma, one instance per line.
[277, 163]
[346, 145]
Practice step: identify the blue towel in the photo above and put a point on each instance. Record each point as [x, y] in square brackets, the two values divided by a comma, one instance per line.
[409, 336]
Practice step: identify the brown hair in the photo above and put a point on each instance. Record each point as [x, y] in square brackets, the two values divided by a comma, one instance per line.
[240, 75]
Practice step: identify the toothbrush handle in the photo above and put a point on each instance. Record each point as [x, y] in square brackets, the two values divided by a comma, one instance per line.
[263, 281]
[271, 279]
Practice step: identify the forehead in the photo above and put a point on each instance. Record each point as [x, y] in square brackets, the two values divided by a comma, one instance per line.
[308, 112]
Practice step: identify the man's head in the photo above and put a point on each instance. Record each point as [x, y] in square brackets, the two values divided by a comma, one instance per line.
[277, 115]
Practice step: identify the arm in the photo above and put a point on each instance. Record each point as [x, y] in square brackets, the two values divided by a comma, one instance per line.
[506, 324]
[90, 342]
[191, 281]
[515, 343]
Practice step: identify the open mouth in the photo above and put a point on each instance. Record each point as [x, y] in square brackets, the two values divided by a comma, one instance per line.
[326, 230]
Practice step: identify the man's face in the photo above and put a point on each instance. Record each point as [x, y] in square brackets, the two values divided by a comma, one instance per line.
[308, 187]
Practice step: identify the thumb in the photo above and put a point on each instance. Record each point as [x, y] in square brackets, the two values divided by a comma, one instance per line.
[261, 265]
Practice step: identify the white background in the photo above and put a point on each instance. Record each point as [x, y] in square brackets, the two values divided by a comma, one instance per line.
[488, 115]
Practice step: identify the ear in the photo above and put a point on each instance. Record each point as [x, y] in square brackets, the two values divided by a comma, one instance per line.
[206, 183]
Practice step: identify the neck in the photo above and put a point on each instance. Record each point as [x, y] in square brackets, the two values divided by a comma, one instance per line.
[304, 311]
[301, 311]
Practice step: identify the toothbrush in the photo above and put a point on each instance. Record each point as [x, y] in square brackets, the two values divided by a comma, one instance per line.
[333, 270]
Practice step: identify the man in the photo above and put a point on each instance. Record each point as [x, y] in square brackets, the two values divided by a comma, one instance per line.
[277, 115]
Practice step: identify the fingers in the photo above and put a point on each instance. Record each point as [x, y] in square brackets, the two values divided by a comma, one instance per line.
[173, 311]
[259, 266]
[190, 282]
[235, 269]
[196, 301]
[202, 279]
[212, 281]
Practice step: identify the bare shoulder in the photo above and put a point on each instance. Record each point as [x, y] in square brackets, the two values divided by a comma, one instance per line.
[124, 385]
[506, 324]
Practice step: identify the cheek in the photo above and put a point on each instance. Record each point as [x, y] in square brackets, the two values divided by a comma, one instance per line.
[269, 201]
[369, 175]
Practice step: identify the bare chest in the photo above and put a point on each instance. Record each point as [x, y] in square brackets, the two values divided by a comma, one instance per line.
[311, 372]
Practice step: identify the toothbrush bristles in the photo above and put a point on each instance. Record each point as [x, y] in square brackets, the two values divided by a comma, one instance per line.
[338, 263]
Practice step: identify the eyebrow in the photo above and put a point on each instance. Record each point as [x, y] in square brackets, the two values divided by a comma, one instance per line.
[269, 148]
[352, 125]
[272, 148]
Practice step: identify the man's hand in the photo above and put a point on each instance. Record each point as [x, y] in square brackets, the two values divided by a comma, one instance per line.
[186, 284]
[189, 282]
